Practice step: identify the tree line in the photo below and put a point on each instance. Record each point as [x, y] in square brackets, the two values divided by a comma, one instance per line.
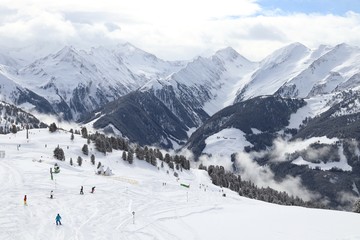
[227, 179]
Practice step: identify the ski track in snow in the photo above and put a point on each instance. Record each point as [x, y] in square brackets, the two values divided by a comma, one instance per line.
[168, 212]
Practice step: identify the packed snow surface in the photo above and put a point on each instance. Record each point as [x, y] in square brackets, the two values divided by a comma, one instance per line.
[161, 212]
[226, 142]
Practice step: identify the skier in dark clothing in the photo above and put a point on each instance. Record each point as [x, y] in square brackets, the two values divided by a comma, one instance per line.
[82, 190]
[92, 189]
[25, 199]
[58, 218]
[52, 194]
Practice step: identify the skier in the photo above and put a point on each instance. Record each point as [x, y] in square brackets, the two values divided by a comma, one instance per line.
[82, 190]
[25, 198]
[52, 194]
[58, 218]
[92, 189]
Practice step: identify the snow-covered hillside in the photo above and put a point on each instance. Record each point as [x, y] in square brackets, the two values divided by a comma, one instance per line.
[161, 212]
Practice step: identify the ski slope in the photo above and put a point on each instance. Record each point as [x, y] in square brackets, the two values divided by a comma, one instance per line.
[161, 212]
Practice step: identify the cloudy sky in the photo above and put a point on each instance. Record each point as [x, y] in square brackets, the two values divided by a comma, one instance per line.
[173, 29]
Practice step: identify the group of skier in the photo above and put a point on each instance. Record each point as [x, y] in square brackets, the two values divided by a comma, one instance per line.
[58, 217]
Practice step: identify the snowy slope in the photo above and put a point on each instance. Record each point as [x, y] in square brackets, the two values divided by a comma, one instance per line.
[327, 72]
[203, 86]
[275, 70]
[161, 212]
[296, 71]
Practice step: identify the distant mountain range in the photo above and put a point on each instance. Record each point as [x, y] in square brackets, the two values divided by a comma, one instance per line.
[73, 83]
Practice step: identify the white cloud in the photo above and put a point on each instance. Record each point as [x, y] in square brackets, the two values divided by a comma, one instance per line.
[169, 29]
[262, 176]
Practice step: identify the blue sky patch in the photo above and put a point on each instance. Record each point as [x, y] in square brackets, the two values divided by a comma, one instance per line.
[336, 7]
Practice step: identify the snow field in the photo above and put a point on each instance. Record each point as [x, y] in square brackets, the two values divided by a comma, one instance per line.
[161, 212]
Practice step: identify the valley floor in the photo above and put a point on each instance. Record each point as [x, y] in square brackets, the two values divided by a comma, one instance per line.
[161, 211]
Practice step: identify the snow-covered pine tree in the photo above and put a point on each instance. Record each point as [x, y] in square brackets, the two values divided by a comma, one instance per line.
[59, 153]
[52, 127]
[92, 158]
[85, 149]
[357, 206]
[100, 144]
[84, 132]
[167, 158]
[153, 160]
[139, 152]
[124, 156]
[79, 161]
[130, 157]
[13, 129]
[171, 165]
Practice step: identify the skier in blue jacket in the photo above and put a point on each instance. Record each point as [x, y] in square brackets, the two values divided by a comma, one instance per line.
[58, 218]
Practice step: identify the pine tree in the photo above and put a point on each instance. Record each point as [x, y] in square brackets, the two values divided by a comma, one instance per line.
[52, 127]
[85, 149]
[84, 132]
[92, 159]
[147, 156]
[59, 153]
[88, 141]
[139, 153]
[124, 155]
[167, 158]
[357, 206]
[79, 161]
[153, 160]
[130, 157]
[13, 129]
[99, 165]
[100, 144]
[159, 155]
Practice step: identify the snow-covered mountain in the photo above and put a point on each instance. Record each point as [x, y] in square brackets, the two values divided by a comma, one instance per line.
[75, 82]
[206, 83]
[183, 100]
[296, 71]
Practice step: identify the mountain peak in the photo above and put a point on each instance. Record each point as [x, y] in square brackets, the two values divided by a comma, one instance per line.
[230, 55]
[294, 50]
[127, 48]
[345, 47]
[227, 53]
[66, 53]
